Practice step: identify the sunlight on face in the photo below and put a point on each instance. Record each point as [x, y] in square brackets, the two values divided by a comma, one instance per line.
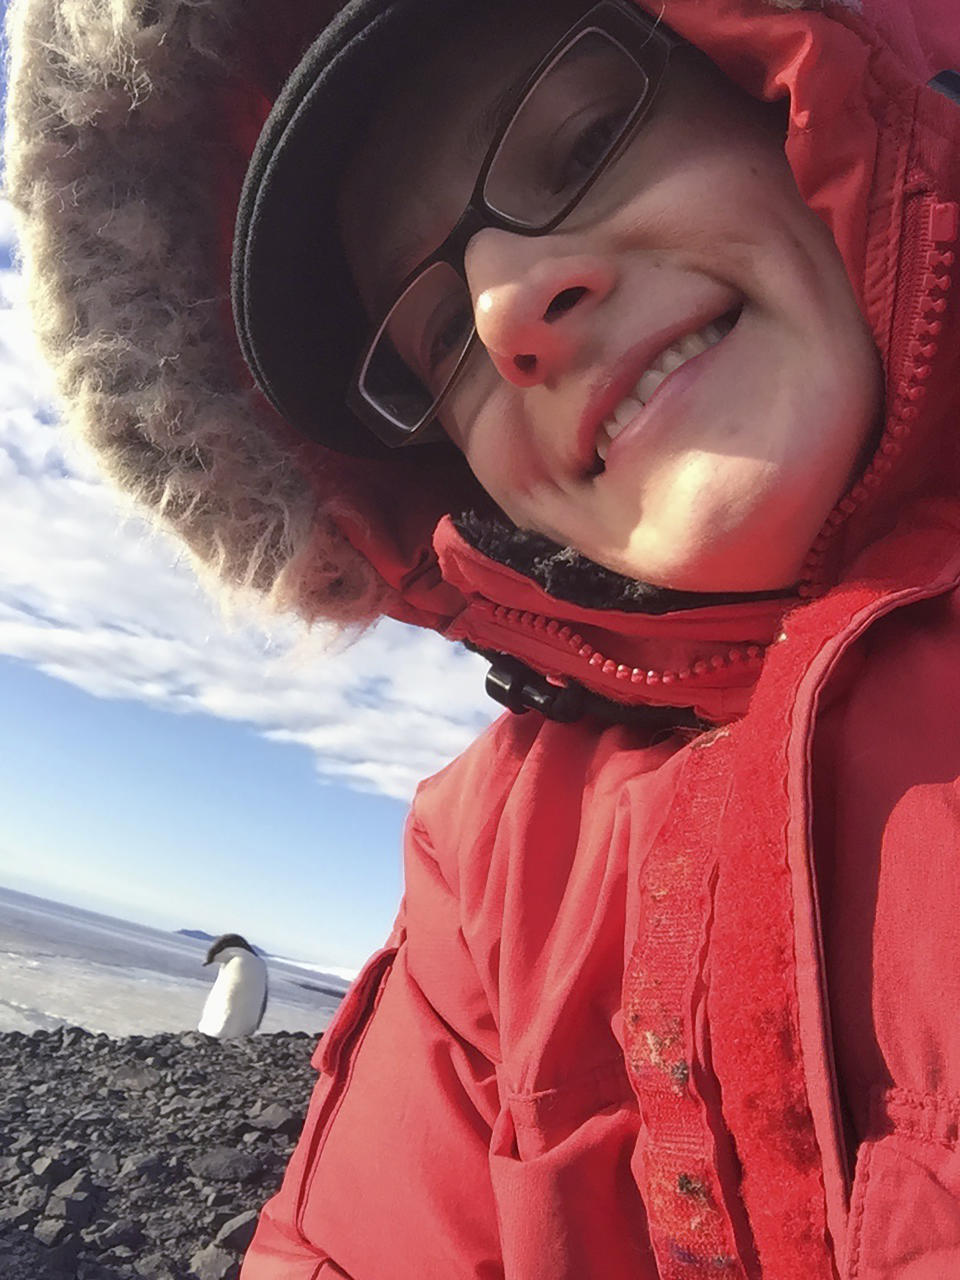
[677, 381]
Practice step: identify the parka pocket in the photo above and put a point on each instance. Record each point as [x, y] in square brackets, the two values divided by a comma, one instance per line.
[560, 1165]
[905, 1206]
[333, 1058]
[281, 1247]
[330, 1271]
[394, 1175]
[361, 998]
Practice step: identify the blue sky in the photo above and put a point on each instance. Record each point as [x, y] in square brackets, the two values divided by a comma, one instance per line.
[189, 821]
[165, 765]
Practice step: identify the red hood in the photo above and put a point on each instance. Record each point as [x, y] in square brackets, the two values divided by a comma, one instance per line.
[874, 153]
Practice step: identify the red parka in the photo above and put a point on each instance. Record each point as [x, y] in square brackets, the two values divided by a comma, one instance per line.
[685, 1005]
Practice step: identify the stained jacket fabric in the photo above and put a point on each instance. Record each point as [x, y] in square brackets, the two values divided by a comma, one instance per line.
[686, 1006]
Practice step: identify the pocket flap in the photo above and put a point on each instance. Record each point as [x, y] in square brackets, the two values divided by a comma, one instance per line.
[359, 1000]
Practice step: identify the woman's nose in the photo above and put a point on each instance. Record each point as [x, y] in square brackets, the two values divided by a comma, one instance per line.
[534, 301]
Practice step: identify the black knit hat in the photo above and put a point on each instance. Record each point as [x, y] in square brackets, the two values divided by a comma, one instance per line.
[295, 307]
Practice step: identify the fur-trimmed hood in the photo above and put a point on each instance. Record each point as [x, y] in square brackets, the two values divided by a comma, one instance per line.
[129, 128]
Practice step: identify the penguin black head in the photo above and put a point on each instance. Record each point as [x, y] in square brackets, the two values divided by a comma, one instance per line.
[223, 942]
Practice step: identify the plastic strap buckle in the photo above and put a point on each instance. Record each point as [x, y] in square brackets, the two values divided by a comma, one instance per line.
[521, 689]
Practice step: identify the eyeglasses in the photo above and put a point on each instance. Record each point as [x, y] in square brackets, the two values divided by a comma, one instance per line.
[574, 115]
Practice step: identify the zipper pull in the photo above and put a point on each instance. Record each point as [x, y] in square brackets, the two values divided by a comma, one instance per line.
[944, 223]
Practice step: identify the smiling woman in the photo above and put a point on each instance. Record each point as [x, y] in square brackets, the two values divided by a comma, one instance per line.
[615, 341]
[688, 231]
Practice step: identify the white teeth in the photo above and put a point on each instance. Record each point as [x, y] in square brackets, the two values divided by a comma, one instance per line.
[626, 410]
[684, 349]
[694, 344]
[650, 381]
[673, 358]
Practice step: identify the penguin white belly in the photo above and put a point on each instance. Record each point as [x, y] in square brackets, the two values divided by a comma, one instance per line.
[237, 1000]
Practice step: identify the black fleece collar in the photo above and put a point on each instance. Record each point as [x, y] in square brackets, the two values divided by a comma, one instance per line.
[568, 575]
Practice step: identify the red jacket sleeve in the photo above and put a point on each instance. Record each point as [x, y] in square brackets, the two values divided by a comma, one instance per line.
[390, 1178]
[474, 1119]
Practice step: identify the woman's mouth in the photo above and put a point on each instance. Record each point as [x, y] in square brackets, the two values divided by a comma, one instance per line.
[667, 362]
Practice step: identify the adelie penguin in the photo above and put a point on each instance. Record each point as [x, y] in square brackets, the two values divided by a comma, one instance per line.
[238, 998]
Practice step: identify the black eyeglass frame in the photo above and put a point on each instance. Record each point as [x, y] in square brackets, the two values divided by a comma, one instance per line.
[622, 20]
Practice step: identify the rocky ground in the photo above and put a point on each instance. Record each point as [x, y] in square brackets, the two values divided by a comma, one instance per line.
[145, 1158]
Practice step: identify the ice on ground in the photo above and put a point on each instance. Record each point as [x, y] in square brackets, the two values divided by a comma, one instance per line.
[62, 965]
[54, 990]
[338, 971]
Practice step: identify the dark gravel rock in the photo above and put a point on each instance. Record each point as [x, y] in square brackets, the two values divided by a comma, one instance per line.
[146, 1158]
[140, 1165]
[214, 1263]
[52, 1231]
[277, 1119]
[237, 1232]
[225, 1164]
[47, 1170]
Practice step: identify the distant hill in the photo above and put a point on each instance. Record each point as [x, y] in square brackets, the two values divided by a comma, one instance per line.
[201, 936]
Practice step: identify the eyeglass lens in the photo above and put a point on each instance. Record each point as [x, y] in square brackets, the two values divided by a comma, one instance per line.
[560, 137]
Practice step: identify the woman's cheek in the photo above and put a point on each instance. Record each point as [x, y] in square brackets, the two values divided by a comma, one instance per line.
[702, 506]
[501, 454]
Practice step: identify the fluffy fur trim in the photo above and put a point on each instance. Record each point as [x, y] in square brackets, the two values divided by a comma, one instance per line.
[117, 164]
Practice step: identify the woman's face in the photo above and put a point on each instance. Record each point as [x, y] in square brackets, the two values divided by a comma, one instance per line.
[714, 478]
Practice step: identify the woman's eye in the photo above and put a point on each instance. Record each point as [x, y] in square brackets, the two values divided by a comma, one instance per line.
[587, 149]
[446, 339]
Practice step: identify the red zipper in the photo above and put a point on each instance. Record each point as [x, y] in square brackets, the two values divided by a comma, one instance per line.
[568, 641]
[932, 225]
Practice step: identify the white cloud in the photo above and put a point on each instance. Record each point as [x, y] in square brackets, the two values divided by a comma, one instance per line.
[89, 595]
[8, 231]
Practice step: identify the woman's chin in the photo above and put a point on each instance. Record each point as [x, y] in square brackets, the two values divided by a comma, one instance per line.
[709, 564]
